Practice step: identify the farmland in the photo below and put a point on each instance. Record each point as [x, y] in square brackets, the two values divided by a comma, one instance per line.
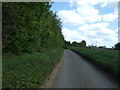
[107, 59]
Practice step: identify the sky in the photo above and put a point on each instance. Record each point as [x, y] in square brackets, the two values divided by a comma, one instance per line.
[95, 21]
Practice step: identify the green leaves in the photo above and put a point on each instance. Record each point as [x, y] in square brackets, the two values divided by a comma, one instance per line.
[30, 27]
[29, 70]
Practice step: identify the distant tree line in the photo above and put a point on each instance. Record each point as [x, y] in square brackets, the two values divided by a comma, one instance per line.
[67, 44]
[28, 27]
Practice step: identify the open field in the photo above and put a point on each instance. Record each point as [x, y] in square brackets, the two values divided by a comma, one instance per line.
[29, 70]
[107, 59]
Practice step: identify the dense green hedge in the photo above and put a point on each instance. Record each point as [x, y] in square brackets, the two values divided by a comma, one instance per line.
[31, 32]
[108, 59]
[29, 70]
[29, 27]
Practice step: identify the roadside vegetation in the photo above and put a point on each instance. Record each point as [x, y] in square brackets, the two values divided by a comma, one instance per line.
[32, 43]
[29, 70]
[106, 58]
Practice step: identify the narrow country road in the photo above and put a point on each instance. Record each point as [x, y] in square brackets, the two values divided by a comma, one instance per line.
[75, 72]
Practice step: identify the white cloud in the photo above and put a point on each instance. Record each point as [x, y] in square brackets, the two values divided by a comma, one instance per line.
[110, 17]
[93, 34]
[70, 17]
[103, 3]
[87, 2]
[86, 13]
[79, 16]
[89, 14]
[71, 3]
[93, 27]
[82, 0]
[72, 35]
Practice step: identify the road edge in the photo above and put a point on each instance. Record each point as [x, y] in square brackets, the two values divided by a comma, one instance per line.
[111, 77]
[50, 81]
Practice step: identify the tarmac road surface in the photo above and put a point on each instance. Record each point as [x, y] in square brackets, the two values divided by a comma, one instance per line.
[76, 72]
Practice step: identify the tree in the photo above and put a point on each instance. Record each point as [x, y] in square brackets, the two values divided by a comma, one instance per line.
[102, 47]
[117, 46]
[75, 44]
[67, 44]
[82, 43]
[29, 27]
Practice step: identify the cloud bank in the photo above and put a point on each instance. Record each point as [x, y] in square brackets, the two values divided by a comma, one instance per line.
[92, 26]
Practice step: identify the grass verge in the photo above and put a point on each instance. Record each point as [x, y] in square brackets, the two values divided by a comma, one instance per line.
[107, 59]
[28, 70]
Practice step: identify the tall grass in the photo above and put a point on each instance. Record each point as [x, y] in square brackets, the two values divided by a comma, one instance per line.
[107, 59]
[29, 70]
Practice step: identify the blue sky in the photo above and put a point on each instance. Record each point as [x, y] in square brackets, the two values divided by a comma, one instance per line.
[95, 22]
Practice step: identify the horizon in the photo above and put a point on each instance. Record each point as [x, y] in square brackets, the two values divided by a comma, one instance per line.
[101, 25]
